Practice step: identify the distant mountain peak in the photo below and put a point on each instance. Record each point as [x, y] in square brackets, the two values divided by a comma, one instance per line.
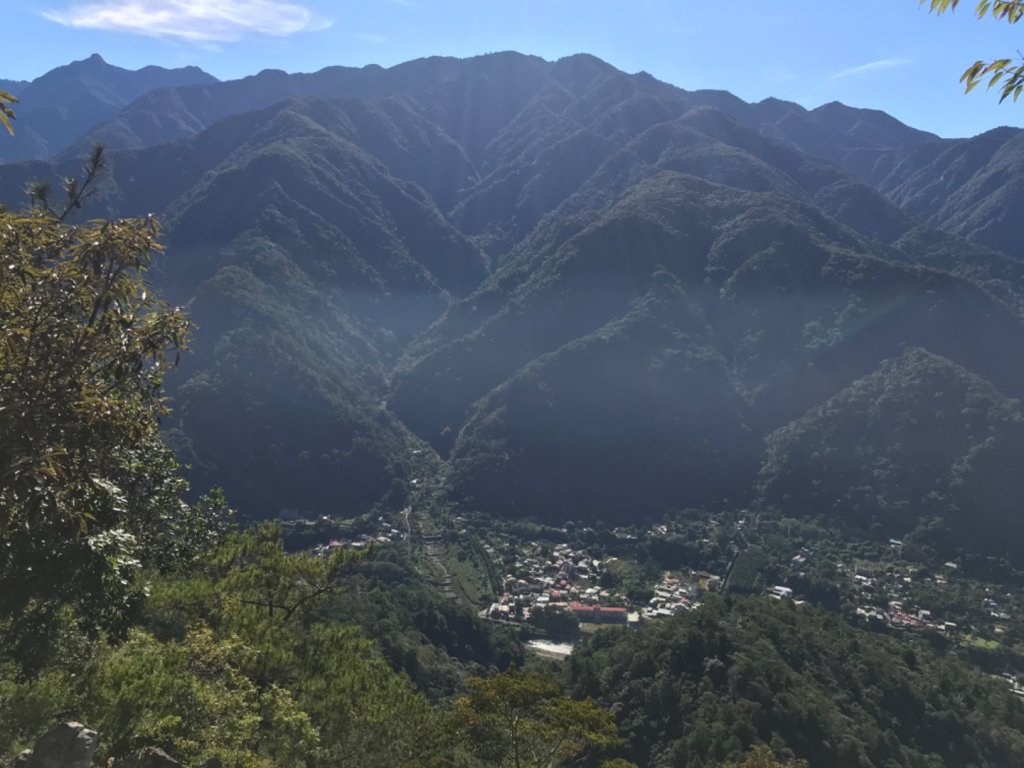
[93, 62]
[585, 60]
[64, 103]
[272, 72]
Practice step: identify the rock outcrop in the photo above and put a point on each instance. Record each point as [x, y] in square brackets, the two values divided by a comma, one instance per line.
[67, 745]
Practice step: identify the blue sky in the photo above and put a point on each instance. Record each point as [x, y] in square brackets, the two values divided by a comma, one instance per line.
[885, 54]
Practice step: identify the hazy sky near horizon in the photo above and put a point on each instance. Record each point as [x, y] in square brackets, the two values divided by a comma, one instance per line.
[884, 54]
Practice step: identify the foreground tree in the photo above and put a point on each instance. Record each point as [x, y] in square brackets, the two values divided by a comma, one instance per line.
[232, 662]
[6, 112]
[88, 491]
[1003, 72]
[522, 720]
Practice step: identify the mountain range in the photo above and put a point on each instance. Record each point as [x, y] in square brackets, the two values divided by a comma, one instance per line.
[593, 294]
[56, 108]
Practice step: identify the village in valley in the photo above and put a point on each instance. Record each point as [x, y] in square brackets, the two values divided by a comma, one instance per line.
[560, 583]
[571, 580]
[636, 574]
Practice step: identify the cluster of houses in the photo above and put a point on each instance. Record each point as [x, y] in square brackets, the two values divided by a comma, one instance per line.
[673, 595]
[385, 533]
[886, 599]
[899, 616]
[883, 597]
[890, 596]
[569, 580]
[565, 579]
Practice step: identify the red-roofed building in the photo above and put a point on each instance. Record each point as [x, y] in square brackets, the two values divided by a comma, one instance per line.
[596, 614]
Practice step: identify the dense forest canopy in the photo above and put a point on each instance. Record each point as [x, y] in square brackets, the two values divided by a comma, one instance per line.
[702, 688]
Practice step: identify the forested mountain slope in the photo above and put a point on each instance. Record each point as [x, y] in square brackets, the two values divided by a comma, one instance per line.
[918, 437]
[694, 689]
[596, 294]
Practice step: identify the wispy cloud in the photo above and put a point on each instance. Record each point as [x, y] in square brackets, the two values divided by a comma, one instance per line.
[196, 21]
[368, 37]
[871, 66]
